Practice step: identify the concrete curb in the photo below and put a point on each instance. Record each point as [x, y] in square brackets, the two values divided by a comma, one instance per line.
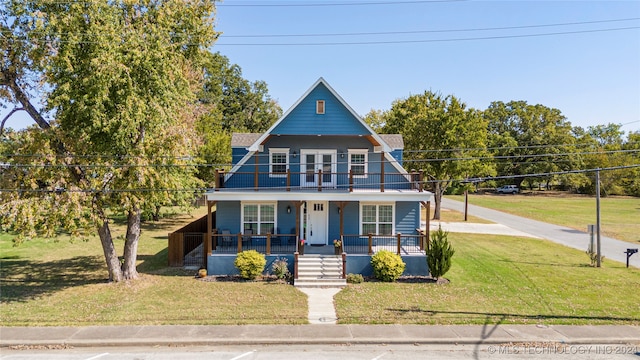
[187, 335]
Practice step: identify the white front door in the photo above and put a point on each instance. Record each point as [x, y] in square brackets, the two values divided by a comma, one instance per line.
[314, 161]
[317, 222]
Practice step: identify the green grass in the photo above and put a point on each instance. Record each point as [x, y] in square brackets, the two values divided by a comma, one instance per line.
[499, 279]
[618, 216]
[46, 282]
[494, 279]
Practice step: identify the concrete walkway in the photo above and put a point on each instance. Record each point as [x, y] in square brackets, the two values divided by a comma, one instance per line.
[321, 307]
[612, 249]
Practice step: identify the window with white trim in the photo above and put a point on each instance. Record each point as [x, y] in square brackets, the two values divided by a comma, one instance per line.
[376, 219]
[320, 107]
[358, 162]
[259, 217]
[278, 162]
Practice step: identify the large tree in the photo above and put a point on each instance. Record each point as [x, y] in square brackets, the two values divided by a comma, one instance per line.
[529, 139]
[233, 104]
[122, 80]
[443, 137]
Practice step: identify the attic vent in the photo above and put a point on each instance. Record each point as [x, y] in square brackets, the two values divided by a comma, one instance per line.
[320, 107]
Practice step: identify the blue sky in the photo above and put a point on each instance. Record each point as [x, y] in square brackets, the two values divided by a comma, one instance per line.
[591, 74]
[592, 77]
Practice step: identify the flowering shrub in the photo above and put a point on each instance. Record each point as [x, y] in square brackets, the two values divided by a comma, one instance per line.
[250, 264]
[387, 266]
[337, 243]
[280, 268]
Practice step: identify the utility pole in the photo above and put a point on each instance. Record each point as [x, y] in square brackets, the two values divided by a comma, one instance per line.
[599, 254]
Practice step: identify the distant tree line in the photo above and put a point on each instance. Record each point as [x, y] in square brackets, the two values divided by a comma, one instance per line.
[455, 145]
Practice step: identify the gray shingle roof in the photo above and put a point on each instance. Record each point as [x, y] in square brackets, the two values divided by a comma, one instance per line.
[393, 140]
[243, 139]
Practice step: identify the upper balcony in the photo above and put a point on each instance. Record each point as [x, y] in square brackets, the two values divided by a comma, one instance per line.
[317, 181]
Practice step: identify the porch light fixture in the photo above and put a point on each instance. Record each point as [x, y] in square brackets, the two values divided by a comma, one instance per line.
[295, 154]
[288, 209]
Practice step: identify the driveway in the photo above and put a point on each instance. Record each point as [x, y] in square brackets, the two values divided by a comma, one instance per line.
[612, 249]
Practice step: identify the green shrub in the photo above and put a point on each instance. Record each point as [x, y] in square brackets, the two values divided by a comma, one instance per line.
[250, 264]
[439, 253]
[387, 266]
[280, 268]
[355, 278]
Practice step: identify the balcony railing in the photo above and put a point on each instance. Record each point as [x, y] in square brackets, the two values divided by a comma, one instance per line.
[318, 181]
[351, 244]
[400, 244]
[262, 243]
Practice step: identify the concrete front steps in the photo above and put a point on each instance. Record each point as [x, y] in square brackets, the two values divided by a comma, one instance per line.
[316, 271]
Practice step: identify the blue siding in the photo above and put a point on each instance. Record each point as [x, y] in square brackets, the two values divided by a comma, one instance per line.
[228, 216]
[352, 218]
[397, 154]
[337, 120]
[407, 217]
[237, 154]
[244, 176]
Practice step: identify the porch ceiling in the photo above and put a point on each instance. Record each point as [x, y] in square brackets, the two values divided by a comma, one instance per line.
[315, 195]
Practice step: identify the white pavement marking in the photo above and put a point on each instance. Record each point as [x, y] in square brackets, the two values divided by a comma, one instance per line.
[321, 308]
[243, 355]
[97, 356]
[379, 357]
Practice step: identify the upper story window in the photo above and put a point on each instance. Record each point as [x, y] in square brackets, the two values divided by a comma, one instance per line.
[320, 107]
[278, 162]
[358, 162]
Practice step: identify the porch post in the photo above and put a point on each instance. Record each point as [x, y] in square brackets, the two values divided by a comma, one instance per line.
[320, 180]
[370, 244]
[207, 240]
[399, 238]
[382, 171]
[269, 243]
[351, 180]
[341, 206]
[255, 171]
[288, 179]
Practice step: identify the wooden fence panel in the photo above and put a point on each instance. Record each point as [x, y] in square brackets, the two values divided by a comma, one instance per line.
[176, 249]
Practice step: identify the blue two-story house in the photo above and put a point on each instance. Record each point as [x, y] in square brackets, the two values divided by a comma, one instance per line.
[319, 174]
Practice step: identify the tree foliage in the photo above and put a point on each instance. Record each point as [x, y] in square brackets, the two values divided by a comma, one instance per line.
[529, 139]
[431, 122]
[232, 104]
[122, 79]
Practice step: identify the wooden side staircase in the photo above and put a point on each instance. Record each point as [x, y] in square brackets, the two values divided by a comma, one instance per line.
[320, 271]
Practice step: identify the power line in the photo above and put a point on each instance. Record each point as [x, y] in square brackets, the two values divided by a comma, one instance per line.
[296, 4]
[198, 190]
[392, 42]
[370, 161]
[431, 31]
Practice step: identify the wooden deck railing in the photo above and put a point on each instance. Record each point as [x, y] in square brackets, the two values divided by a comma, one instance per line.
[319, 181]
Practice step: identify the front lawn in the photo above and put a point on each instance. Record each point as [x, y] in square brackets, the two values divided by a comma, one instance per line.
[618, 215]
[57, 282]
[500, 279]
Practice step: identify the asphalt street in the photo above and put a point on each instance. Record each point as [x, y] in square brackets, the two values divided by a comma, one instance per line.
[612, 249]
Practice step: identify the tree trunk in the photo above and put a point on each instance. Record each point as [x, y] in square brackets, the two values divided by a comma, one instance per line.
[438, 200]
[131, 245]
[110, 255]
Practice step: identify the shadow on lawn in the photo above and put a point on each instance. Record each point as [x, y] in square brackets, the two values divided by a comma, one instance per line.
[546, 264]
[500, 317]
[22, 280]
